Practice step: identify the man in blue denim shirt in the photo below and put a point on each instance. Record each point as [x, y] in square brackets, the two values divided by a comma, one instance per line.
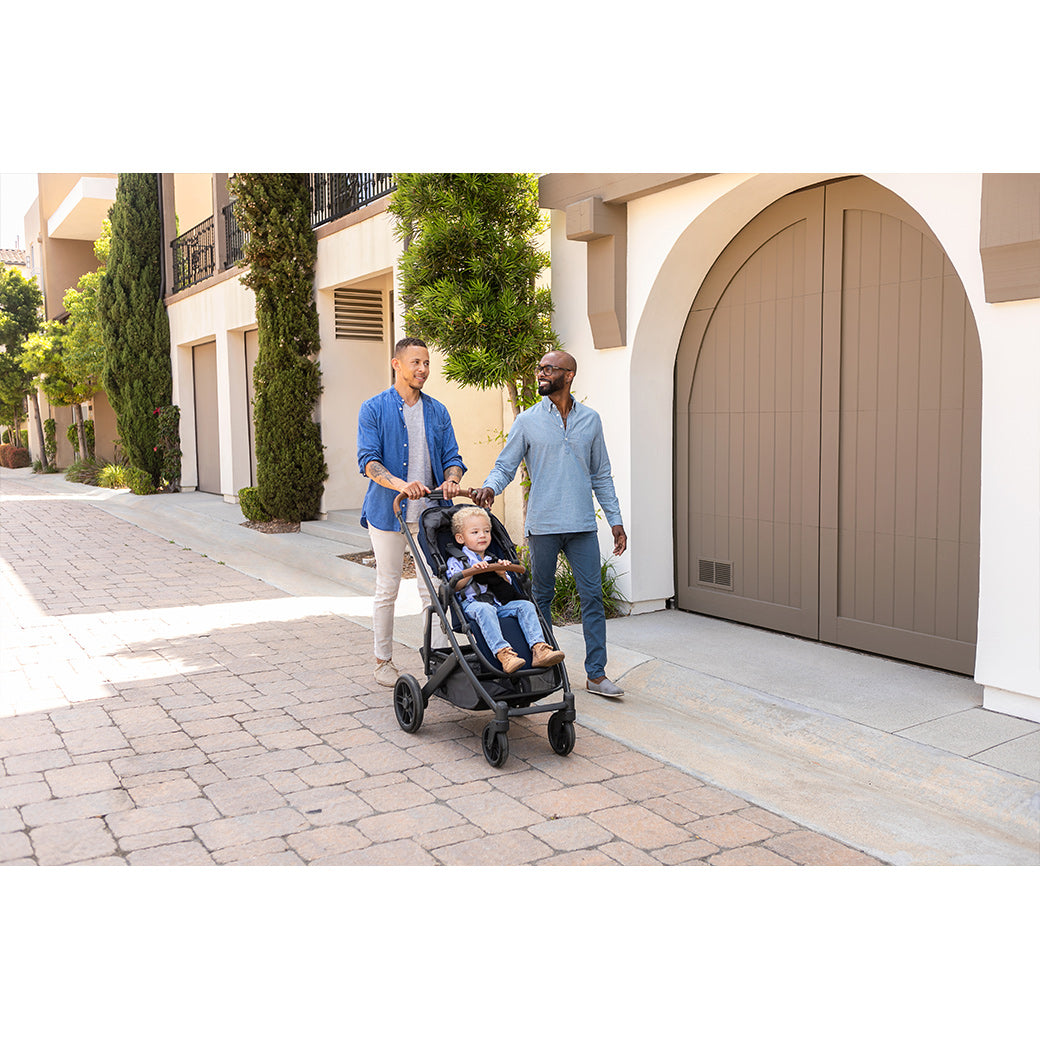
[562, 443]
[406, 443]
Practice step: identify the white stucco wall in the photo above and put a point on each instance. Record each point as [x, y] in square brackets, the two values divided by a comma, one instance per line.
[673, 239]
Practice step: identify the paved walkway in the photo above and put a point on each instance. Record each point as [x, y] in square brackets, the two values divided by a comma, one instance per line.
[158, 707]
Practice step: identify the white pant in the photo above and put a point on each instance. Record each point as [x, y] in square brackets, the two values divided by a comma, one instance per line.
[389, 549]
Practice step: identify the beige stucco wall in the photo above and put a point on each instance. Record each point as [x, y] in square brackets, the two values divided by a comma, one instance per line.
[193, 199]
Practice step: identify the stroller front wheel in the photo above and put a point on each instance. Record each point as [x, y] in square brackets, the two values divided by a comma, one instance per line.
[495, 745]
[408, 703]
[561, 734]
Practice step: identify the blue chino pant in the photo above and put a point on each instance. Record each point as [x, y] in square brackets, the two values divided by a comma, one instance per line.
[582, 552]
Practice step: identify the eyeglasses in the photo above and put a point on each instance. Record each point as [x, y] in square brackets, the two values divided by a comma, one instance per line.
[547, 370]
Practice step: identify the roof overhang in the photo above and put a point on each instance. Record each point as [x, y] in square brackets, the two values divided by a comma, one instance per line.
[83, 210]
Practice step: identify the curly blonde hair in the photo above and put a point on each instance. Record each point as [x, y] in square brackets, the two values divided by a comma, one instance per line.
[459, 518]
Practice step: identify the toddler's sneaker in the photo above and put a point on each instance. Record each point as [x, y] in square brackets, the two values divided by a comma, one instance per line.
[509, 659]
[544, 656]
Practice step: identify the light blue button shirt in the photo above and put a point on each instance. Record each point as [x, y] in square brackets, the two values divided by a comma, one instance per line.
[567, 464]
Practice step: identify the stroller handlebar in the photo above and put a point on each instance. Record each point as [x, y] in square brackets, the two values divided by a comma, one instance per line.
[433, 493]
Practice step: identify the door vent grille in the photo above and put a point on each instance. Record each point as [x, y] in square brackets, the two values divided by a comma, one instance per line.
[359, 314]
[717, 573]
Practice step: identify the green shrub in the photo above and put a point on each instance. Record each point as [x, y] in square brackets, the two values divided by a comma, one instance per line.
[170, 447]
[566, 604]
[140, 481]
[119, 476]
[5, 437]
[113, 475]
[252, 507]
[85, 471]
[72, 436]
[88, 436]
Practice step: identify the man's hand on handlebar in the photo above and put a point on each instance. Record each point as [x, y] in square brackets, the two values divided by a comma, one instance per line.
[414, 490]
[484, 497]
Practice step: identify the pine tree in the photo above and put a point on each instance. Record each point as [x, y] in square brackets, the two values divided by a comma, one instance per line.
[273, 210]
[136, 374]
[469, 276]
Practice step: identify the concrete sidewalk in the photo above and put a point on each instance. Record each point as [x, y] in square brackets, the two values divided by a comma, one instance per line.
[897, 761]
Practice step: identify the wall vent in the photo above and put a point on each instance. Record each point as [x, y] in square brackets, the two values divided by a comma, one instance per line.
[718, 573]
[359, 314]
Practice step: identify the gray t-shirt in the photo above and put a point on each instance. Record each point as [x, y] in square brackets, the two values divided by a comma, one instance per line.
[419, 465]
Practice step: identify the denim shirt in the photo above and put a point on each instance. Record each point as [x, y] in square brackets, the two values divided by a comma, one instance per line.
[567, 464]
[383, 437]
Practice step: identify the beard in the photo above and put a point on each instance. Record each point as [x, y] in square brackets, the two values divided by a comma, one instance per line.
[545, 389]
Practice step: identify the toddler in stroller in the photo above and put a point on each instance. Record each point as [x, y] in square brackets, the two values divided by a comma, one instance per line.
[489, 596]
[500, 656]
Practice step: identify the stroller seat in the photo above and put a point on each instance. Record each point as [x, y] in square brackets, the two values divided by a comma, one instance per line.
[439, 545]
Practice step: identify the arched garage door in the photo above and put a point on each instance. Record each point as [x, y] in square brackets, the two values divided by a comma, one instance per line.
[828, 430]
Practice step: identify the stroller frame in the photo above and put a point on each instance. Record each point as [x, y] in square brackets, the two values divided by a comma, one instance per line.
[469, 678]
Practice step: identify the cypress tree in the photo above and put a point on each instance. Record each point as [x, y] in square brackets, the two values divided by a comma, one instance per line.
[136, 372]
[273, 210]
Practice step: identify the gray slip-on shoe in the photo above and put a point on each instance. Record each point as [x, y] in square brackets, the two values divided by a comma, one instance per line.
[605, 688]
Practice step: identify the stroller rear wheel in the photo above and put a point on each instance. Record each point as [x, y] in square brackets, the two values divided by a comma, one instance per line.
[408, 703]
[495, 745]
[561, 734]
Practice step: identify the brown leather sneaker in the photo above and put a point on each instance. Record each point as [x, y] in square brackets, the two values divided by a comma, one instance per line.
[509, 659]
[544, 656]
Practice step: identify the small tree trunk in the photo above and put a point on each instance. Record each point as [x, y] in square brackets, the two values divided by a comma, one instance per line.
[39, 426]
[525, 481]
[77, 416]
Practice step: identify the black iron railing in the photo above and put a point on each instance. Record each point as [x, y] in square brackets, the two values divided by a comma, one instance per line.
[333, 195]
[194, 255]
[234, 238]
[337, 194]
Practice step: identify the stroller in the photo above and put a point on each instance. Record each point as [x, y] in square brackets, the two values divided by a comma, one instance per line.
[466, 673]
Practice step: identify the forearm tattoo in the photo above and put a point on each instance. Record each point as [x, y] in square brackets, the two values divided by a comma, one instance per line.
[379, 473]
[453, 473]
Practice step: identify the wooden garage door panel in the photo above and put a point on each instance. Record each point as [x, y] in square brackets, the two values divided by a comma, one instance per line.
[207, 431]
[749, 373]
[900, 471]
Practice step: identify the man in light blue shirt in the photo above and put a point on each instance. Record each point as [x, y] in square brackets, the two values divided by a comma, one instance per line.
[561, 440]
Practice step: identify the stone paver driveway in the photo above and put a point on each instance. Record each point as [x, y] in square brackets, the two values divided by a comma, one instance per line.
[157, 707]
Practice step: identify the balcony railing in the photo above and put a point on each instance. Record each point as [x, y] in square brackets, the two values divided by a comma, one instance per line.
[335, 195]
[234, 238]
[194, 256]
